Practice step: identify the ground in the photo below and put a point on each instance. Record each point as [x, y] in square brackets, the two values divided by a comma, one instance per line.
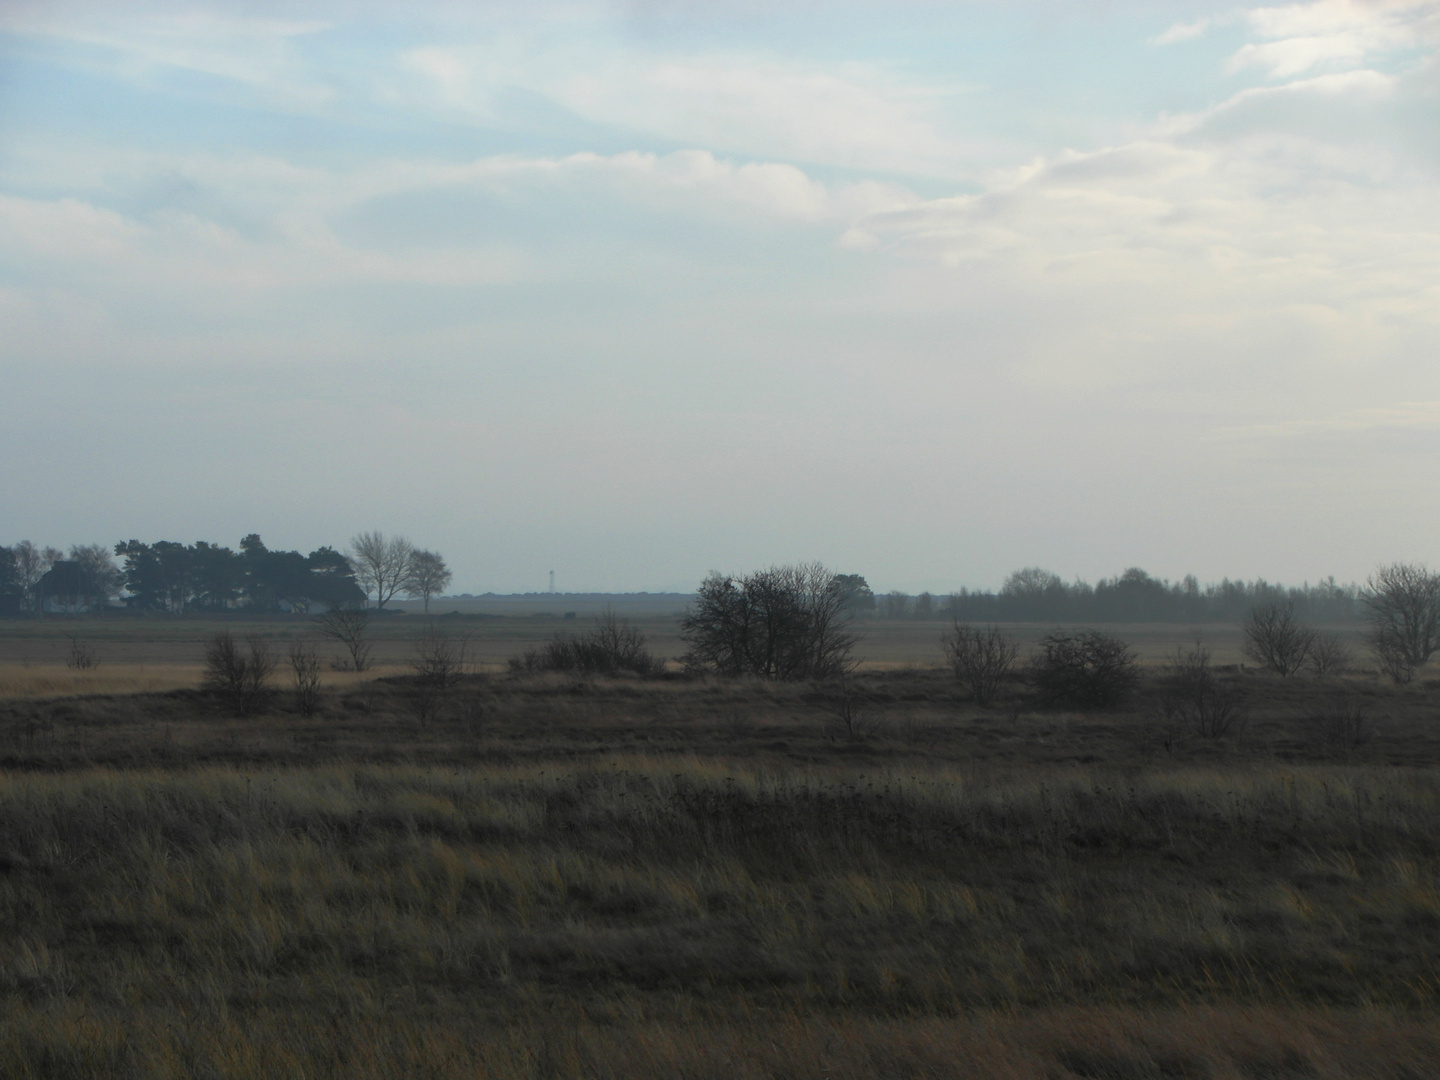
[568, 877]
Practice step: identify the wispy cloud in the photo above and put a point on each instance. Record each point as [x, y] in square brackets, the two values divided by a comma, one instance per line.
[1182, 32]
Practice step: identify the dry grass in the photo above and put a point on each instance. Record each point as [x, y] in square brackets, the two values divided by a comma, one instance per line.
[26, 680]
[1108, 1044]
[560, 877]
[674, 905]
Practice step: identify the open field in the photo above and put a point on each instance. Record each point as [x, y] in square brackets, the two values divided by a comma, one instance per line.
[565, 877]
[164, 653]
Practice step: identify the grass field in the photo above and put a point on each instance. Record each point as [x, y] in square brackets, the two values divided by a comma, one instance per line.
[563, 877]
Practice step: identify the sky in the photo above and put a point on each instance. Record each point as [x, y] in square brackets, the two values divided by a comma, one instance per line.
[635, 291]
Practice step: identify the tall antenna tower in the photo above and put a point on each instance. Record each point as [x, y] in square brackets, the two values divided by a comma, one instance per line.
[552, 581]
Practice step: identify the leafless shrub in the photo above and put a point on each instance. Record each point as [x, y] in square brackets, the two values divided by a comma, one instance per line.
[848, 712]
[438, 661]
[1344, 724]
[1392, 657]
[239, 677]
[440, 657]
[305, 667]
[1195, 699]
[980, 656]
[1275, 639]
[83, 656]
[1330, 655]
[1090, 669]
[348, 627]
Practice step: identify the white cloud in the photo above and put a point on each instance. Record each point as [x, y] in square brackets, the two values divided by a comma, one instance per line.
[1182, 32]
[854, 115]
[1300, 37]
[250, 50]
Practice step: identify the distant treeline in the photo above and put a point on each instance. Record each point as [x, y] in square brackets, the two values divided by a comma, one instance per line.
[1036, 595]
[175, 577]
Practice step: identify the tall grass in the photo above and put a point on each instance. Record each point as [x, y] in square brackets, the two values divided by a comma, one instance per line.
[678, 916]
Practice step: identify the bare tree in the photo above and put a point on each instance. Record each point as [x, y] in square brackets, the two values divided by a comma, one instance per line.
[305, 666]
[1275, 638]
[981, 657]
[382, 564]
[1330, 654]
[348, 628]
[1402, 602]
[426, 576]
[788, 623]
[31, 564]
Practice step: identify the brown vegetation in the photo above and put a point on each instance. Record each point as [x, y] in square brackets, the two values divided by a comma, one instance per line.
[558, 875]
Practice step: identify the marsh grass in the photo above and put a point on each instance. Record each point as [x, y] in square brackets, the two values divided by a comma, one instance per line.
[653, 893]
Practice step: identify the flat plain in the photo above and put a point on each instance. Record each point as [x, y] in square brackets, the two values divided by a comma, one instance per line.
[557, 876]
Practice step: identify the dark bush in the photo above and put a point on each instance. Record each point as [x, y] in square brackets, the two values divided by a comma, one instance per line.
[1090, 669]
[613, 647]
[788, 623]
[239, 677]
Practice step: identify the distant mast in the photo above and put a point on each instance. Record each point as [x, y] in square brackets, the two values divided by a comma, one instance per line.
[552, 581]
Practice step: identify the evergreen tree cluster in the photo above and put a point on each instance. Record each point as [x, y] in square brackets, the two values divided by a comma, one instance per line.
[169, 576]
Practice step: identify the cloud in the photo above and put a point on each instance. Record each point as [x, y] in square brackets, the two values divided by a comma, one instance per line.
[1333, 33]
[854, 115]
[1182, 32]
[242, 48]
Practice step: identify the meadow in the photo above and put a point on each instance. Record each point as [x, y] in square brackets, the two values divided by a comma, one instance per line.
[615, 877]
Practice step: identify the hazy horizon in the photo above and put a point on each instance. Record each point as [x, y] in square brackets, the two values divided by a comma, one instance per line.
[928, 292]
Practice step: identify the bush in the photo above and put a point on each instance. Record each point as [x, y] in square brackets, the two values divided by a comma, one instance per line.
[787, 623]
[1090, 669]
[1330, 655]
[613, 647]
[305, 666]
[239, 677]
[439, 661]
[1275, 639]
[981, 658]
[1193, 697]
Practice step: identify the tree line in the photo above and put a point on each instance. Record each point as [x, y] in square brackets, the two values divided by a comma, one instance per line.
[176, 577]
[1036, 595]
